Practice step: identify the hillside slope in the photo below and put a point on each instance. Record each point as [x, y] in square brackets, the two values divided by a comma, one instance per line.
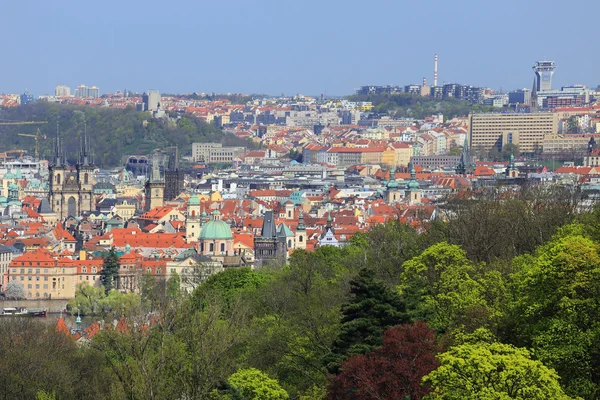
[114, 133]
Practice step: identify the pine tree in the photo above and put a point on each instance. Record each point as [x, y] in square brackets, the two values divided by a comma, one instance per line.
[372, 309]
[110, 269]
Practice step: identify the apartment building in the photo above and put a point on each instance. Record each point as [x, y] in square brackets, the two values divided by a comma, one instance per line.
[497, 130]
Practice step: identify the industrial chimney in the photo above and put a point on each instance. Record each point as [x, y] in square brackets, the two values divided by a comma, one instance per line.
[435, 70]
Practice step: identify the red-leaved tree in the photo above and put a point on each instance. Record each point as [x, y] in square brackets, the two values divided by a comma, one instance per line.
[393, 371]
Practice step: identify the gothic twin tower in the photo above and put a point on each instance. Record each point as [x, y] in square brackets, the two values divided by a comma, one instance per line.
[71, 187]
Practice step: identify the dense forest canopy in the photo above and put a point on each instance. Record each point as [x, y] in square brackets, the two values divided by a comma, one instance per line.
[114, 133]
[506, 312]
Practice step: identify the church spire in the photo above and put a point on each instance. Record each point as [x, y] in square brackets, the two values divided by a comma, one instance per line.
[155, 177]
[84, 154]
[534, 97]
[465, 159]
[57, 149]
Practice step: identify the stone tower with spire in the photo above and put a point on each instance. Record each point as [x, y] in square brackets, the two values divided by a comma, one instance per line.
[464, 165]
[71, 188]
[301, 232]
[413, 190]
[174, 177]
[154, 188]
[534, 98]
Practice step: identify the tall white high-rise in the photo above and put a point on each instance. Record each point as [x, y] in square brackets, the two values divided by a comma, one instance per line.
[62, 91]
[81, 91]
[94, 92]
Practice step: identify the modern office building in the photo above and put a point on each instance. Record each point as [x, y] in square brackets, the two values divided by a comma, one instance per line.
[522, 96]
[527, 131]
[26, 98]
[151, 100]
[543, 73]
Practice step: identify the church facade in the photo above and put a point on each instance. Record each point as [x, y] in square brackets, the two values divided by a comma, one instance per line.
[71, 187]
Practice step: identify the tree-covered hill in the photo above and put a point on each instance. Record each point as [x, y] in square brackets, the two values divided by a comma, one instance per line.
[114, 133]
[404, 105]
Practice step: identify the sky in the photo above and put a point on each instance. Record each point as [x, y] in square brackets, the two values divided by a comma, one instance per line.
[282, 46]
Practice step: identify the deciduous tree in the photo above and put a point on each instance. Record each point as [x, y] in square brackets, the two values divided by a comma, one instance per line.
[492, 371]
[392, 372]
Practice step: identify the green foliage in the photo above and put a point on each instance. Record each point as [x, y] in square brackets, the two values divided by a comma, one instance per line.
[314, 393]
[492, 371]
[43, 395]
[256, 385]
[440, 287]
[110, 270]
[88, 300]
[297, 315]
[404, 105]
[39, 362]
[508, 150]
[227, 285]
[174, 286]
[372, 308]
[115, 133]
[385, 248]
[557, 308]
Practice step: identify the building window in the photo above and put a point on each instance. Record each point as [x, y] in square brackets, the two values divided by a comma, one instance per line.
[211, 247]
[45, 286]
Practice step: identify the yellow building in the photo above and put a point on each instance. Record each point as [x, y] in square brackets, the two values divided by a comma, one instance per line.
[402, 154]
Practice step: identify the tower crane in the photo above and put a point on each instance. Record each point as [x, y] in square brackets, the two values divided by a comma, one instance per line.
[37, 137]
[8, 122]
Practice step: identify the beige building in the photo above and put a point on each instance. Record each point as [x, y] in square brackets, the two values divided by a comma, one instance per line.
[201, 151]
[565, 143]
[497, 130]
[42, 276]
[403, 152]
[215, 152]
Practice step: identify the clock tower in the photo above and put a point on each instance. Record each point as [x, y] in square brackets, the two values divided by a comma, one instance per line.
[155, 188]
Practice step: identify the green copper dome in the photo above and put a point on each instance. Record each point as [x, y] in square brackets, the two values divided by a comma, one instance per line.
[392, 184]
[413, 184]
[215, 230]
[194, 201]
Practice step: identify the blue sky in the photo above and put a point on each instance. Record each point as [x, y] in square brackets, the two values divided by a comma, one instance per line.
[281, 46]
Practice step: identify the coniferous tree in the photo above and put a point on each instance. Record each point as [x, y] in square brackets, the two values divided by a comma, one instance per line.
[110, 269]
[372, 309]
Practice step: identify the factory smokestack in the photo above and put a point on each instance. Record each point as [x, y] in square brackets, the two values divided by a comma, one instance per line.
[435, 70]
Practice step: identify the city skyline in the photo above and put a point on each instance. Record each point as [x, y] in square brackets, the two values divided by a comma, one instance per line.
[263, 47]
